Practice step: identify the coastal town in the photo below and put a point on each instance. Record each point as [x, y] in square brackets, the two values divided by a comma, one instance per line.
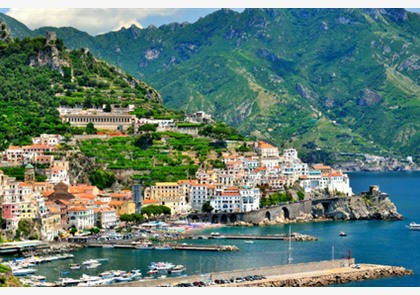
[59, 203]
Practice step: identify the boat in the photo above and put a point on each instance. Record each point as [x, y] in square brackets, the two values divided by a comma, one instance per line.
[75, 266]
[161, 266]
[144, 247]
[177, 269]
[249, 242]
[107, 246]
[152, 272]
[342, 234]
[93, 265]
[90, 261]
[163, 247]
[413, 226]
[68, 282]
[23, 271]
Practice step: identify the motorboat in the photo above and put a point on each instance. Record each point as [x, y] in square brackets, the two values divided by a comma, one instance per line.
[93, 265]
[90, 261]
[163, 247]
[413, 226]
[177, 269]
[144, 247]
[75, 266]
[161, 266]
[342, 234]
[23, 271]
[249, 242]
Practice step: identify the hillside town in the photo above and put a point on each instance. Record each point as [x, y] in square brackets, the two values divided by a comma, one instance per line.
[59, 203]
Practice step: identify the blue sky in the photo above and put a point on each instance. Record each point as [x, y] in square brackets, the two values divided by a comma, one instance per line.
[97, 18]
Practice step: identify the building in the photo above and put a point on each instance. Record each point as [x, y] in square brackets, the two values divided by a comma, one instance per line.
[81, 217]
[137, 196]
[116, 120]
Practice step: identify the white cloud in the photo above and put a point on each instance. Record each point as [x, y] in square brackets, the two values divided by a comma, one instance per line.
[93, 21]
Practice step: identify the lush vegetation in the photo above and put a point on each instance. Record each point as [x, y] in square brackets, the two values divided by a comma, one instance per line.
[324, 81]
[154, 157]
[30, 95]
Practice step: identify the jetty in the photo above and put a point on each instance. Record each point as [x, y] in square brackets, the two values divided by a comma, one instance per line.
[281, 237]
[312, 274]
[171, 246]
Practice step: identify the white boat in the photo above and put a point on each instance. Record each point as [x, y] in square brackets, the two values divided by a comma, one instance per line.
[90, 261]
[161, 266]
[144, 247]
[249, 242]
[67, 282]
[23, 271]
[413, 226]
[177, 269]
[163, 247]
[75, 266]
[93, 265]
[342, 234]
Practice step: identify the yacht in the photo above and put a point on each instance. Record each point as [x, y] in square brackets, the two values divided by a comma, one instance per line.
[413, 226]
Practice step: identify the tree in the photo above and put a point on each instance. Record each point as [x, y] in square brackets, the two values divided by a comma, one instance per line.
[107, 108]
[90, 128]
[207, 207]
[73, 230]
[101, 178]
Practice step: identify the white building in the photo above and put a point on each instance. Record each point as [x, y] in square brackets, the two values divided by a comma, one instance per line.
[105, 217]
[234, 199]
[81, 217]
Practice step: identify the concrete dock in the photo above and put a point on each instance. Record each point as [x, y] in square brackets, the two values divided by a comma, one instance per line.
[313, 274]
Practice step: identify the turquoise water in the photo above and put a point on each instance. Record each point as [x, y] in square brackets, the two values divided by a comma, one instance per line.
[378, 242]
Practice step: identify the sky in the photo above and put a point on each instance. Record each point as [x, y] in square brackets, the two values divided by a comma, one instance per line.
[96, 17]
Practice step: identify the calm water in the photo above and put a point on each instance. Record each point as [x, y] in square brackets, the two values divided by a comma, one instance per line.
[378, 242]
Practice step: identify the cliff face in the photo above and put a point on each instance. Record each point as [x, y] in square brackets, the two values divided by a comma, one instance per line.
[374, 205]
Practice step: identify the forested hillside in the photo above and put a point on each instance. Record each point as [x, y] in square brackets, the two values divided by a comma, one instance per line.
[325, 81]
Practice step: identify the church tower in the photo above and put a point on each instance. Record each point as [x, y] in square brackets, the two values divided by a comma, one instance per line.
[29, 173]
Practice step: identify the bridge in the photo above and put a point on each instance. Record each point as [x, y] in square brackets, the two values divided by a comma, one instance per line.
[289, 211]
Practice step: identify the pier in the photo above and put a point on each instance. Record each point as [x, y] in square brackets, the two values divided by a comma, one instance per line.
[172, 246]
[281, 237]
[312, 274]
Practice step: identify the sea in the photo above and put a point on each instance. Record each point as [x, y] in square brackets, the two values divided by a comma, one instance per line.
[367, 241]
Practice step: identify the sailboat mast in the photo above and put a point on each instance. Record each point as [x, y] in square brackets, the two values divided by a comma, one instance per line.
[290, 245]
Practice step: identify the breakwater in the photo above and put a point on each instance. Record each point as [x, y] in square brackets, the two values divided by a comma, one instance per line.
[324, 278]
[312, 274]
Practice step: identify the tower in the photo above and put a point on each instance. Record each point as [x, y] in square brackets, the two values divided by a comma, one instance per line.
[137, 197]
[29, 173]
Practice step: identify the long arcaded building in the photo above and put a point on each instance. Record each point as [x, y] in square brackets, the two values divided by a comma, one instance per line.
[119, 119]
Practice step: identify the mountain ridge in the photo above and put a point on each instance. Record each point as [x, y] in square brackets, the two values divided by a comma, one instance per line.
[347, 82]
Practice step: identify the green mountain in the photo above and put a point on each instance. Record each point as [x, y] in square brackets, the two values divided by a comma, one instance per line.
[37, 75]
[325, 81]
